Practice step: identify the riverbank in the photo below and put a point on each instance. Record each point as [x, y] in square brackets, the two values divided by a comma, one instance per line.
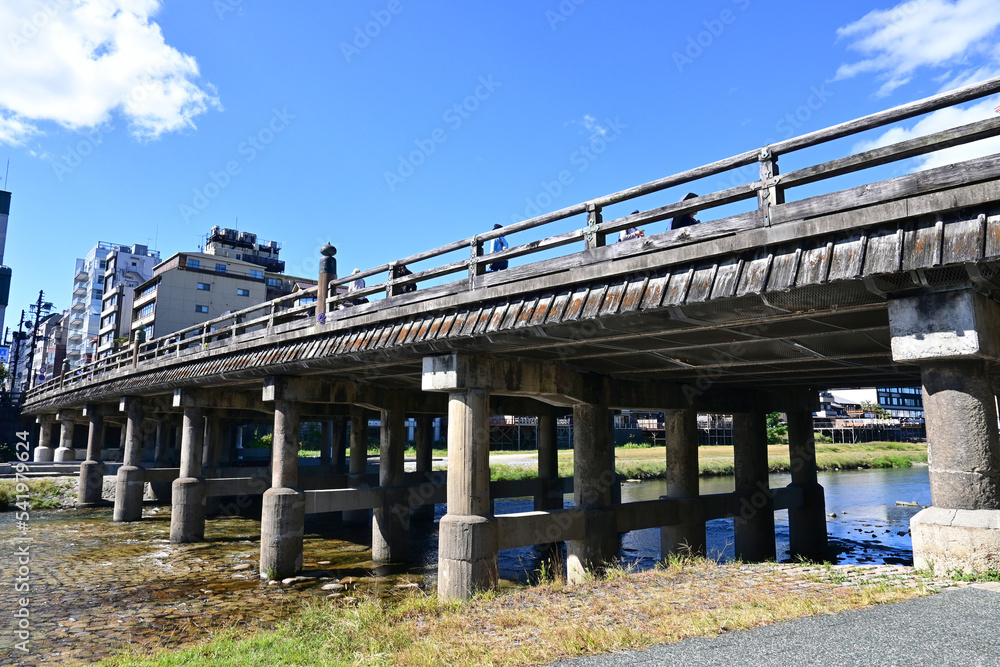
[650, 462]
[622, 610]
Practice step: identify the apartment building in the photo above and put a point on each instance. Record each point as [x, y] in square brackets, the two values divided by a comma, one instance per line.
[234, 272]
[87, 301]
[125, 269]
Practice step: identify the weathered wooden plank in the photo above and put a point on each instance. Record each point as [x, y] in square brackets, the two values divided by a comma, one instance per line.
[755, 273]
[541, 312]
[848, 258]
[524, 315]
[920, 183]
[894, 152]
[577, 301]
[919, 246]
[963, 241]
[992, 236]
[612, 299]
[632, 298]
[701, 283]
[593, 305]
[885, 251]
[727, 278]
[677, 287]
[558, 307]
[511, 317]
[813, 265]
[655, 289]
[784, 269]
[496, 320]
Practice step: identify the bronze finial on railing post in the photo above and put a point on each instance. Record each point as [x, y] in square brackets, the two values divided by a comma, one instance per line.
[770, 193]
[327, 272]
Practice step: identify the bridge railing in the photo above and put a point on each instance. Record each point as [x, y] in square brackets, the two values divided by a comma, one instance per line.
[769, 190]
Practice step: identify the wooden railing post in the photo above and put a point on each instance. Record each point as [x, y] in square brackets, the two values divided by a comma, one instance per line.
[594, 237]
[476, 268]
[770, 193]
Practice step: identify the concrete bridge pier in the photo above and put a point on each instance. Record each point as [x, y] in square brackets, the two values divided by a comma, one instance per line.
[391, 521]
[468, 550]
[284, 509]
[423, 443]
[187, 514]
[593, 491]
[131, 476]
[67, 423]
[92, 470]
[358, 460]
[806, 524]
[953, 336]
[688, 536]
[44, 452]
[549, 495]
[754, 520]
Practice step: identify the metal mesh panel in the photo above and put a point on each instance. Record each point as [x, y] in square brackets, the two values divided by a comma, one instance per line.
[844, 294]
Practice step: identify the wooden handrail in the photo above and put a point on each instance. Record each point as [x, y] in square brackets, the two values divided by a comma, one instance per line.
[768, 190]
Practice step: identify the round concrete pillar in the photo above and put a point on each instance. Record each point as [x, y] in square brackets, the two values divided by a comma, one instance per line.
[754, 520]
[91, 484]
[467, 534]
[65, 451]
[391, 521]
[44, 452]
[129, 489]
[594, 482]
[688, 536]
[963, 452]
[806, 524]
[358, 463]
[187, 513]
[281, 533]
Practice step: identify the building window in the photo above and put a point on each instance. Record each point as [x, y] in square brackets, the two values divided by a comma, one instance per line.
[145, 310]
[146, 291]
[204, 287]
[256, 273]
[96, 293]
[220, 268]
[240, 291]
[201, 309]
[103, 264]
[273, 282]
[193, 263]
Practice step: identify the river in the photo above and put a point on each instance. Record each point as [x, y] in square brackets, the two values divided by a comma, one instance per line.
[96, 586]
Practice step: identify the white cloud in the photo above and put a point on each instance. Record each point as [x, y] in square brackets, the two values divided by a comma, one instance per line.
[897, 42]
[75, 62]
[937, 122]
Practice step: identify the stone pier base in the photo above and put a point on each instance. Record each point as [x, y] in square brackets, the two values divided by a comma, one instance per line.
[91, 484]
[467, 556]
[129, 491]
[64, 454]
[281, 529]
[187, 513]
[963, 540]
[44, 454]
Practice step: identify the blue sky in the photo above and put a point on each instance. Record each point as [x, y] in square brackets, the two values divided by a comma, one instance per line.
[392, 126]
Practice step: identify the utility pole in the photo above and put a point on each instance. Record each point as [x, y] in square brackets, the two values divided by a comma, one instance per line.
[16, 347]
[38, 307]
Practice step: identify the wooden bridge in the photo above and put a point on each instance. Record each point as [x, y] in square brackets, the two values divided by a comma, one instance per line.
[891, 283]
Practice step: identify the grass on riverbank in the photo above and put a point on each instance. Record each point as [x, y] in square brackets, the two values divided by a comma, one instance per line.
[529, 626]
[45, 494]
[649, 463]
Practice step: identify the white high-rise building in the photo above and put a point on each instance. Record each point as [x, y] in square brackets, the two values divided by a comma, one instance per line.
[88, 295]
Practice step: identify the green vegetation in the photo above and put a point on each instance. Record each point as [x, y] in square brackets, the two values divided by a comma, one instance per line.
[689, 597]
[45, 494]
[975, 577]
[650, 462]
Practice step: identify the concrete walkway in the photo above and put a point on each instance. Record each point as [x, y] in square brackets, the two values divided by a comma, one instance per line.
[955, 627]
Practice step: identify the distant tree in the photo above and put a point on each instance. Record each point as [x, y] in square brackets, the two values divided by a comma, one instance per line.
[873, 408]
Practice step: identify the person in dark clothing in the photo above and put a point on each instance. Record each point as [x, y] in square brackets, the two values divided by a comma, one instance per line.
[400, 270]
[499, 244]
[687, 219]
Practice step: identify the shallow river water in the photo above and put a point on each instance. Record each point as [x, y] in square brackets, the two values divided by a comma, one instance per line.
[96, 587]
